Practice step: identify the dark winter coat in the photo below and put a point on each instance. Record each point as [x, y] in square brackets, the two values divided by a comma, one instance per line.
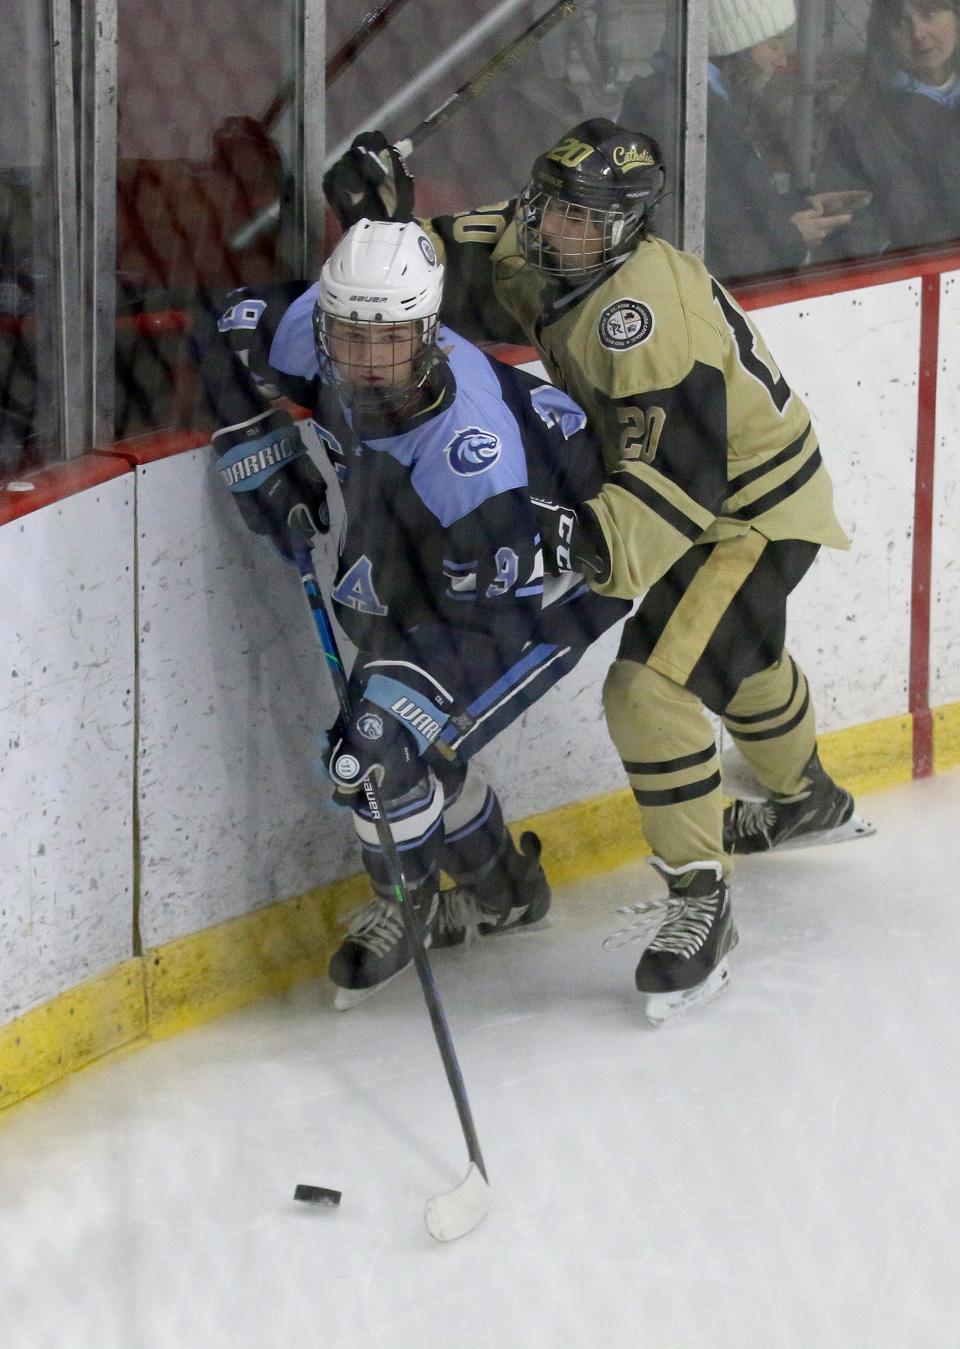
[904, 147]
[748, 225]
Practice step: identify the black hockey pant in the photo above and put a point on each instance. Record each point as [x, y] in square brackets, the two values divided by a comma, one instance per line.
[710, 634]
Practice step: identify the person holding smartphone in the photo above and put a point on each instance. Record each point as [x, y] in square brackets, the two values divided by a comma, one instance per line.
[896, 140]
[752, 226]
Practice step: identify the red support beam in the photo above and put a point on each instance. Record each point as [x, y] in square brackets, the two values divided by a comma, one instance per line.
[919, 691]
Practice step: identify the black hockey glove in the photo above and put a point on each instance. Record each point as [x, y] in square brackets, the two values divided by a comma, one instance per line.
[369, 182]
[372, 744]
[396, 723]
[266, 466]
[571, 541]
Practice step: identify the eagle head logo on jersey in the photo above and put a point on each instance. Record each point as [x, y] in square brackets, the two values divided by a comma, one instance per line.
[625, 324]
[370, 726]
[473, 451]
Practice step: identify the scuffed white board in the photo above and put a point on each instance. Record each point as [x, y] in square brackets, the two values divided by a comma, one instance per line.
[233, 688]
[559, 750]
[853, 358]
[945, 589]
[232, 817]
[66, 744]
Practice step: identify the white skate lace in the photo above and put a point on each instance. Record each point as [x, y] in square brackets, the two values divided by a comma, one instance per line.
[755, 817]
[378, 926]
[651, 915]
[458, 910]
[685, 934]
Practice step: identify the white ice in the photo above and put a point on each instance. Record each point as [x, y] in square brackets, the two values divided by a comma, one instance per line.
[778, 1170]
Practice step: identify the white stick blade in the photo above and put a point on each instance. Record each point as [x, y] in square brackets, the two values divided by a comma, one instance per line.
[453, 1215]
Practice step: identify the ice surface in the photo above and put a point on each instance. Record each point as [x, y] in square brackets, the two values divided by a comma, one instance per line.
[779, 1170]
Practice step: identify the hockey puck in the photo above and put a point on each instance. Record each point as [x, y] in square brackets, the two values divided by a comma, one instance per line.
[315, 1194]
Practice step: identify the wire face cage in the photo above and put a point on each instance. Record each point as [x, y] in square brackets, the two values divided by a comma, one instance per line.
[562, 238]
[377, 366]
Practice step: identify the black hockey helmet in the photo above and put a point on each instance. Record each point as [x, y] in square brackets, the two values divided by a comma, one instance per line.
[596, 190]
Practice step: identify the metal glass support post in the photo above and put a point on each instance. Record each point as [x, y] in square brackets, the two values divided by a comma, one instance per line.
[804, 112]
[98, 215]
[295, 234]
[60, 378]
[311, 138]
[695, 127]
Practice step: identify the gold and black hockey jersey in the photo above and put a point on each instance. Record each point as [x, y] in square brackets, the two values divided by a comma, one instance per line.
[702, 435]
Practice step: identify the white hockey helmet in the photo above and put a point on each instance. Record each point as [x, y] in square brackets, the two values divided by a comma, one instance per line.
[377, 312]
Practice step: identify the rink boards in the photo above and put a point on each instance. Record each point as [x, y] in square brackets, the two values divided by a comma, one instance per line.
[165, 850]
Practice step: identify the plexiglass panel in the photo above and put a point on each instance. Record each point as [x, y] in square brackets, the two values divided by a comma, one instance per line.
[30, 394]
[204, 166]
[536, 87]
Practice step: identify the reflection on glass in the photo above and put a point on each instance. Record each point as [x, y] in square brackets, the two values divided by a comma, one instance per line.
[755, 222]
[896, 136]
[203, 169]
[28, 421]
[536, 91]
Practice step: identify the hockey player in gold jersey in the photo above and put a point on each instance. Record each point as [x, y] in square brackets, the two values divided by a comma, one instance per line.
[715, 505]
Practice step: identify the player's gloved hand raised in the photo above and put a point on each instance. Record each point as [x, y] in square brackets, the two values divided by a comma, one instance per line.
[369, 182]
[570, 540]
[266, 466]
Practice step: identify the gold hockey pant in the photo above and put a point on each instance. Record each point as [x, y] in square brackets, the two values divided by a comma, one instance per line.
[710, 634]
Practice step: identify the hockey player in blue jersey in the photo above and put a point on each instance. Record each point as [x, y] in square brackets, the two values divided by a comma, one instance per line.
[438, 450]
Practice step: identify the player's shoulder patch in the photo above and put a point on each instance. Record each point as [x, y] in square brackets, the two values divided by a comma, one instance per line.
[624, 324]
[634, 334]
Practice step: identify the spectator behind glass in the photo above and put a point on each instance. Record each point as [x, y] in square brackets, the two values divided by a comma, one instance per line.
[898, 135]
[751, 227]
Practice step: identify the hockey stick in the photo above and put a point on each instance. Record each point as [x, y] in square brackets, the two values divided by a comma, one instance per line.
[451, 106]
[450, 1215]
[369, 25]
[472, 88]
[344, 56]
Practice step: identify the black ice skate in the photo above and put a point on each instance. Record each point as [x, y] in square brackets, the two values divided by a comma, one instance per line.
[822, 814]
[686, 962]
[515, 895]
[375, 949]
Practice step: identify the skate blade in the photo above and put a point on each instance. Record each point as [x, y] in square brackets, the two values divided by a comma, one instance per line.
[517, 925]
[345, 998]
[660, 1007]
[855, 827]
[511, 928]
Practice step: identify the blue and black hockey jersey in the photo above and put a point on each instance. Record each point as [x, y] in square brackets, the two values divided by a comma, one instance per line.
[439, 557]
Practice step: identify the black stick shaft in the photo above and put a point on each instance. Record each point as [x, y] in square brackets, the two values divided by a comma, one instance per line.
[369, 25]
[512, 52]
[411, 925]
[344, 56]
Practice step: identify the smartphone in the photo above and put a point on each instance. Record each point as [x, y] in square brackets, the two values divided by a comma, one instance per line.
[842, 203]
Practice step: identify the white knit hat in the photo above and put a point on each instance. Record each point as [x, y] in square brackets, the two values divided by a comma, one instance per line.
[736, 25]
